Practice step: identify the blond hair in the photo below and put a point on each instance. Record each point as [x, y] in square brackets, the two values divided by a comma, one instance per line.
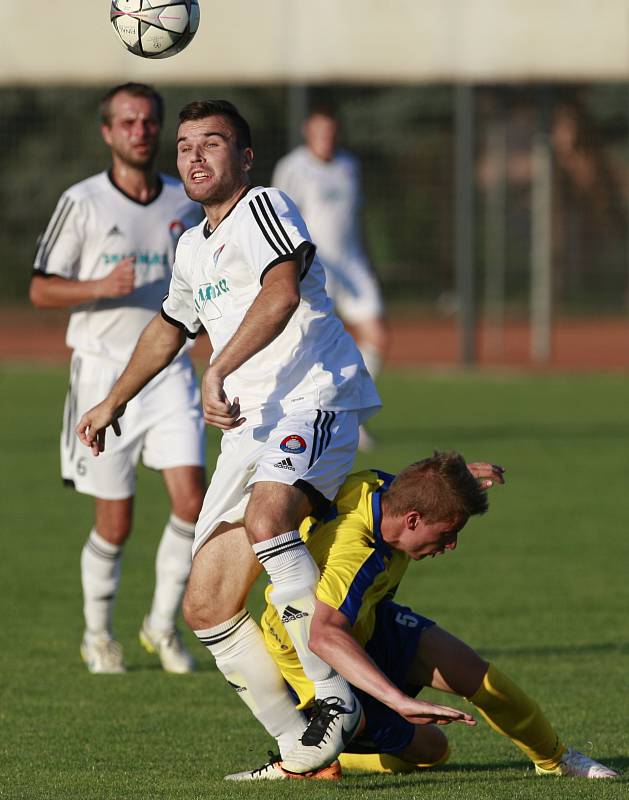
[440, 488]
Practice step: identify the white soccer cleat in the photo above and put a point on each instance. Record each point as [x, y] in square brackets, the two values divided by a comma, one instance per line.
[576, 765]
[169, 648]
[273, 771]
[330, 729]
[102, 655]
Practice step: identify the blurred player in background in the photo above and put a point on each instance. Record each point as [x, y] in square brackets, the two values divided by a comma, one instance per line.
[288, 388]
[107, 255]
[363, 546]
[325, 183]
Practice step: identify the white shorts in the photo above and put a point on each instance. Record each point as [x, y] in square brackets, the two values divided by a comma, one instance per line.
[354, 290]
[163, 424]
[313, 447]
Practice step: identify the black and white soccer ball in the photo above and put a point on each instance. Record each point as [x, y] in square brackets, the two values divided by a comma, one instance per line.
[155, 28]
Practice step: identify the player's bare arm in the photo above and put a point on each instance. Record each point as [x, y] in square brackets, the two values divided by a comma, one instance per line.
[159, 344]
[56, 292]
[331, 640]
[264, 321]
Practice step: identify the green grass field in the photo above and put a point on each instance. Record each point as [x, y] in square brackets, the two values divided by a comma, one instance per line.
[540, 585]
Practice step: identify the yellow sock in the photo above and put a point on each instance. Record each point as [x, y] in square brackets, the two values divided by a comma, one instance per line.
[509, 711]
[385, 762]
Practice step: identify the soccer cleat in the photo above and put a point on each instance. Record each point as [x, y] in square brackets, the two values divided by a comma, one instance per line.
[102, 655]
[330, 729]
[576, 765]
[273, 771]
[169, 648]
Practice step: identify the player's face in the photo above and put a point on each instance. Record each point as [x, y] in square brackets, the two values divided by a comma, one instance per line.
[212, 166]
[133, 130]
[421, 539]
[320, 135]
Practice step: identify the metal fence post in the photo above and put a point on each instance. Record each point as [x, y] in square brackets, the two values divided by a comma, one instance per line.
[541, 237]
[464, 220]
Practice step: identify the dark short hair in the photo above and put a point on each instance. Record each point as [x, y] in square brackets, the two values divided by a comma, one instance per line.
[136, 90]
[200, 109]
[440, 488]
[322, 110]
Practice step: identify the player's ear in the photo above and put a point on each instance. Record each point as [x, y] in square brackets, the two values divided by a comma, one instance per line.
[413, 519]
[106, 132]
[247, 159]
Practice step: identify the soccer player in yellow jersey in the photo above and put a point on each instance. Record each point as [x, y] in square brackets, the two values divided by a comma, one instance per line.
[387, 652]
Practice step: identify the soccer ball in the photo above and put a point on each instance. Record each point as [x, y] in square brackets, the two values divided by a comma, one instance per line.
[155, 28]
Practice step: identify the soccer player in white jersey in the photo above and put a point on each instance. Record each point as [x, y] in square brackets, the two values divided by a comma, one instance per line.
[324, 180]
[107, 255]
[289, 389]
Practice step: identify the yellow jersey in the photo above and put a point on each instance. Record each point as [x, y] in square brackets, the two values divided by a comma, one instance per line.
[358, 569]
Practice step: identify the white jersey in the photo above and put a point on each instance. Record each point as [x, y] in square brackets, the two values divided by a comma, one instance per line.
[329, 198]
[95, 225]
[313, 363]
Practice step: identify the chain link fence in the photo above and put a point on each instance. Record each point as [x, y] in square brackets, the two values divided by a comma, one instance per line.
[404, 137]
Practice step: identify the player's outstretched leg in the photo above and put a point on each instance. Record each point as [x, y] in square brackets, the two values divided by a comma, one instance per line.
[447, 663]
[511, 712]
[273, 770]
[159, 633]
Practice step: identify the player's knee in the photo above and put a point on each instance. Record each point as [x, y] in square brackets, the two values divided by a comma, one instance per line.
[261, 523]
[205, 606]
[188, 507]
[114, 531]
[428, 747]
[113, 519]
[194, 613]
[274, 509]
[187, 495]
[258, 528]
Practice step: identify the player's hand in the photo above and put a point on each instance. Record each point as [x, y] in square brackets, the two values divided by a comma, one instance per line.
[217, 409]
[421, 713]
[94, 423]
[120, 281]
[487, 474]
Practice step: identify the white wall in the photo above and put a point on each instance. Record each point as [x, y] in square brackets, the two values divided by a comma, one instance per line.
[368, 41]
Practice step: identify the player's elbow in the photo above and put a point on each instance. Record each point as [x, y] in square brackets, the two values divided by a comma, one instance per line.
[37, 293]
[285, 305]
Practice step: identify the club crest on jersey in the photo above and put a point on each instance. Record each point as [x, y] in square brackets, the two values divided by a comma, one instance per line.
[217, 254]
[176, 228]
[293, 444]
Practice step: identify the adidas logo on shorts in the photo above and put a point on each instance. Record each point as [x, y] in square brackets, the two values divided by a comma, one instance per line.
[291, 614]
[285, 463]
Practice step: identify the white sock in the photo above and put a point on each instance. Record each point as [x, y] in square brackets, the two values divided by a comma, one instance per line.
[100, 577]
[172, 567]
[241, 655]
[294, 576]
[372, 358]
